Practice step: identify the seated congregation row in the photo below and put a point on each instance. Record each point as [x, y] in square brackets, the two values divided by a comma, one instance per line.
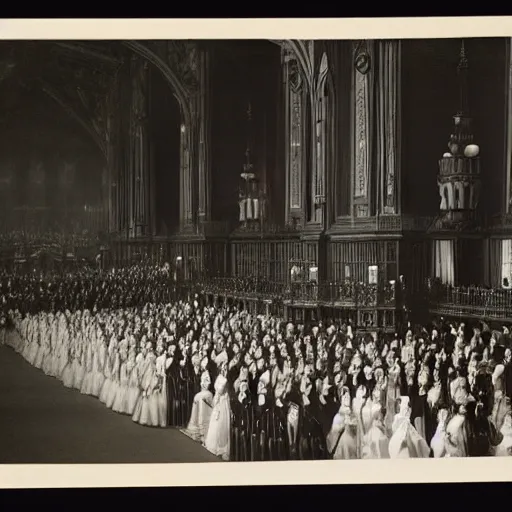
[257, 388]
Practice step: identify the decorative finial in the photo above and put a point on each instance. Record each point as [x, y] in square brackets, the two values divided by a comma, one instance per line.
[462, 71]
[463, 59]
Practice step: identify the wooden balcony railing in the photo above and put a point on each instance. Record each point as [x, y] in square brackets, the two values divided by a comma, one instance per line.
[471, 301]
[343, 294]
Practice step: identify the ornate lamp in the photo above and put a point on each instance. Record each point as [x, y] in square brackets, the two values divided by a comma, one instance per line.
[251, 195]
[459, 168]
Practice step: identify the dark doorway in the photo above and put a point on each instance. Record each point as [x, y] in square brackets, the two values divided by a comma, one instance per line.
[165, 118]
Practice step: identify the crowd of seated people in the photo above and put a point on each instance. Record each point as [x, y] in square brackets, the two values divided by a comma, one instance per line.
[30, 240]
[254, 387]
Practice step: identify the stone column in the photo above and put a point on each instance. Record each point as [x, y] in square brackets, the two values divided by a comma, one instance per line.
[204, 154]
[140, 176]
[319, 103]
[389, 124]
[294, 90]
[186, 179]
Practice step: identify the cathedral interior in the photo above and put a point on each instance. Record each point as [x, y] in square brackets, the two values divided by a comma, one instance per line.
[368, 180]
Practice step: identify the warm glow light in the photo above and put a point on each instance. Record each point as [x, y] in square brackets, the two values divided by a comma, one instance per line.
[471, 151]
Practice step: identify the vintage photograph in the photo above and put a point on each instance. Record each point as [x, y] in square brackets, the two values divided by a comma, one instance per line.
[255, 250]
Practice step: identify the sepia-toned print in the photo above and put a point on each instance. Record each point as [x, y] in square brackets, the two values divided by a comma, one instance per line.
[255, 250]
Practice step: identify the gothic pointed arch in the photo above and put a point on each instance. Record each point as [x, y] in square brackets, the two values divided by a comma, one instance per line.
[323, 72]
[54, 94]
[179, 89]
[301, 52]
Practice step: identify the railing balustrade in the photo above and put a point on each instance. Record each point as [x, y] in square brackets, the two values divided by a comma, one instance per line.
[345, 293]
[471, 300]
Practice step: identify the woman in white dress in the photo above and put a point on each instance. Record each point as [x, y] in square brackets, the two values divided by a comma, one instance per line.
[342, 439]
[87, 382]
[438, 442]
[98, 362]
[456, 428]
[114, 379]
[375, 440]
[133, 392]
[405, 442]
[217, 439]
[27, 338]
[79, 370]
[161, 390]
[146, 410]
[46, 361]
[68, 374]
[56, 345]
[393, 389]
[504, 449]
[122, 389]
[40, 337]
[63, 346]
[107, 369]
[201, 410]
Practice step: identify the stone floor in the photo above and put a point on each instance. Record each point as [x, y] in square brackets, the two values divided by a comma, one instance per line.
[41, 421]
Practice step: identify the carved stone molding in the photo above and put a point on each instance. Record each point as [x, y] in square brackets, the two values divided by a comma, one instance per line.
[302, 52]
[389, 124]
[362, 57]
[183, 58]
[362, 137]
[295, 78]
[296, 148]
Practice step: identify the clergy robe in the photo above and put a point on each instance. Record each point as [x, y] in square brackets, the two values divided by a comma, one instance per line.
[172, 377]
[311, 436]
[422, 416]
[327, 411]
[483, 436]
[268, 439]
[186, 392]
[241, 427]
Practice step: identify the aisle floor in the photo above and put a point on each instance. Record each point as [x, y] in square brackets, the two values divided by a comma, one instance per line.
[41, 421]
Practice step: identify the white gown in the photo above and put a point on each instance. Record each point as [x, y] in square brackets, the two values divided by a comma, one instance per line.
[376, 442]
[217, 440]
[342, 442]
[438, 442]
[201, 411]
[406, 443]
[456, 438]
[504, 449]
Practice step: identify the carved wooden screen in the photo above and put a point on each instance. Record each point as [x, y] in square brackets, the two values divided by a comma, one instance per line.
[350, 260]
[283, 252]
[363, 98]
[295, 128]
